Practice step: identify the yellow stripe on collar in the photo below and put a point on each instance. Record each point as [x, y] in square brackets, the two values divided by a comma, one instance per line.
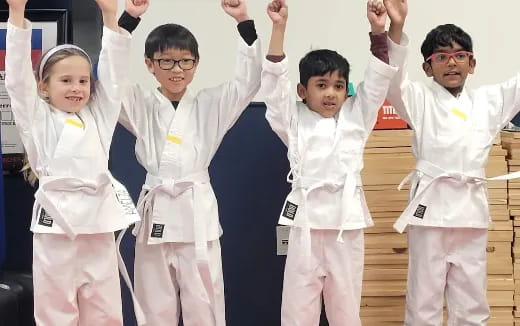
[74, 123]
[174, 139]
[459, 114]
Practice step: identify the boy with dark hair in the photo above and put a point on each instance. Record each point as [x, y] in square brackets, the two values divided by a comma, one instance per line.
[325, 137]
[448, 212]
[177, 255]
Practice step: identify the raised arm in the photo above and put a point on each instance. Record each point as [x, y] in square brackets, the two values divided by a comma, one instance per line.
[19, 80]
[275, 78]
[372, 92]
[400, 91]
[234, 96]
[112, 68]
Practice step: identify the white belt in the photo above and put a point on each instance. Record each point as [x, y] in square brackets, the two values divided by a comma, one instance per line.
[476, 176]
[307, 185]
[67, 184]
[175, 187]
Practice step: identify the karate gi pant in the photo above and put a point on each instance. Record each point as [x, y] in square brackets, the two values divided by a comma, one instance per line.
[335, 270]
[446, 263]
[76, 282]
[167, 280]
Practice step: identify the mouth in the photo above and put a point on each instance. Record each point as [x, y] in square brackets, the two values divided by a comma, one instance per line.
[452, 73]
[176, 79]
[329, 105]
[74, 98]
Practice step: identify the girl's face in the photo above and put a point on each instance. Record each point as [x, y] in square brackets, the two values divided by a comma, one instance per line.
[67, 87]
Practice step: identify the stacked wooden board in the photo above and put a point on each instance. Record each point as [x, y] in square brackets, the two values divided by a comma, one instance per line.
[511, 142]
[388, 159]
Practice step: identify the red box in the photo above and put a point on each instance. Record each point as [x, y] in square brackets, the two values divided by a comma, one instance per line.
[388, 119]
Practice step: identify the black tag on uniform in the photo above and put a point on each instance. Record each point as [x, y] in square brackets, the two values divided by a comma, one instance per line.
[289, 211]
[157, 230]
[45, 219]
[419, 212]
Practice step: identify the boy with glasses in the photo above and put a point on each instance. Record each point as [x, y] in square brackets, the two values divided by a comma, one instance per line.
[448, 212]
[177, 254]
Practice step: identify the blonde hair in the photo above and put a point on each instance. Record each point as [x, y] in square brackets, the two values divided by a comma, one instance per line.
[28, 173]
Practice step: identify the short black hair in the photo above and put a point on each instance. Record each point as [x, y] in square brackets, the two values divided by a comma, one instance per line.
[445, 35]
[170, 36]
[321, 62]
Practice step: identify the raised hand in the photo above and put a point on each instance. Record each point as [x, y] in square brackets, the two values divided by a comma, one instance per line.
[278, 12]
[17, 4]
[136, 8]
[16, 12]
[376, 14]
[397, 10]
[109, 10]
[236, 9]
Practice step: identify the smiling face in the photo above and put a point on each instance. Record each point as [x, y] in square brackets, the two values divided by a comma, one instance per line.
[453, 73]
[67, 86]
[324, 94]
[175, 80]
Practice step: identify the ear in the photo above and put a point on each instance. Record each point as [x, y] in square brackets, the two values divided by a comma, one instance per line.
[42, 88]
[472, 65]
[427, 67]
[149, 65]
[302, 91]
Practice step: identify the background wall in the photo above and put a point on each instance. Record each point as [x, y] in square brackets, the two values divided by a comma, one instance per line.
[339, 25]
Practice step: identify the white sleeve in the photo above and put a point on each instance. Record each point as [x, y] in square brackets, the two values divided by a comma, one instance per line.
[506, 96]
[279, 99]
[372, 92]
[112, 68]
[134, 110]
[234, 96]
[402, 91]
[19, 80]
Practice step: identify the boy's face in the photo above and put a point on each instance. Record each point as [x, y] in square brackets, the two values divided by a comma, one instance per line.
[325, 94]
[174, 70]
[453, 73]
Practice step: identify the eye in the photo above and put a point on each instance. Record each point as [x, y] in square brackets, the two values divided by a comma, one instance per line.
[84, 81]
[340, 86]
[65, 80]
[440, 57]
[461, 56]
[167, 61]
[187, 61]
[321, 85]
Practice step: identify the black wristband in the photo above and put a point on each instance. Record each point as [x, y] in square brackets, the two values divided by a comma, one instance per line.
[247, 31]
[128, 22]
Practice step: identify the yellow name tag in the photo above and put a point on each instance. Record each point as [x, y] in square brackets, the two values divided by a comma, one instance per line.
[74, 123]
[174, 139]
[459, 114]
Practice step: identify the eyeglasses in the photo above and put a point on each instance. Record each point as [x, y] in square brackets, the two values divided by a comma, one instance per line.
[168, 64]
[443, 58]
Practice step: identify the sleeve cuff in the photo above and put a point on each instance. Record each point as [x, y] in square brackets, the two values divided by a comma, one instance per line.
[247, 31]
[379, 46]
[276, 68]
[128, 22]
[382, 68]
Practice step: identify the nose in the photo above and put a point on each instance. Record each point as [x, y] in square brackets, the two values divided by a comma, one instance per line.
[451, 61]
[177, 67]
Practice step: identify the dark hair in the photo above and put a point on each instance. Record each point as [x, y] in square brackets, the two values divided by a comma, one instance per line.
[321, 62]
[170, 36]
[445, 35]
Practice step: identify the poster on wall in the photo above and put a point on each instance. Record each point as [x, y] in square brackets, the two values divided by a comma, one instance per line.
[49, 29]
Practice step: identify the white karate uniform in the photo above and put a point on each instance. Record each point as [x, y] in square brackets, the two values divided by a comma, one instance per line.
[76, 210]
[326, 158]
[180, 230]
[448, 199]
